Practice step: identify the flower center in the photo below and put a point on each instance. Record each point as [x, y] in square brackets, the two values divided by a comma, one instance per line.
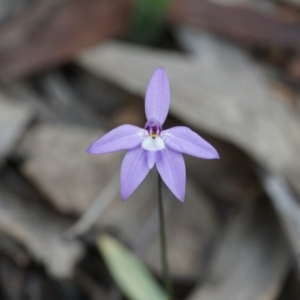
[153, 142]
[154, 128]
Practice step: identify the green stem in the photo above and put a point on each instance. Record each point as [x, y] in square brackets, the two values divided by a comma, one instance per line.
[163, 243]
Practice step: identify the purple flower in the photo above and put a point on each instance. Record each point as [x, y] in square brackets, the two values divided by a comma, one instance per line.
[152, 145]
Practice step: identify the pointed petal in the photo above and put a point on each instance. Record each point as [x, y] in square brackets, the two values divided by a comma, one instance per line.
[183, 139]
[171, 167]
[158, 96]
[133, 171]
[121, 138]
[151, 158]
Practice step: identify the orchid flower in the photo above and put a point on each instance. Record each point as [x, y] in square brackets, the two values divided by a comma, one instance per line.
[151, 145]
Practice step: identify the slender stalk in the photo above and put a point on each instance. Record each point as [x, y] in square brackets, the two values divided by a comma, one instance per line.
[163, 242]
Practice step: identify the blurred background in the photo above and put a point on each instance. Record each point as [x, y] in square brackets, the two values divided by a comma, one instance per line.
[71, 70]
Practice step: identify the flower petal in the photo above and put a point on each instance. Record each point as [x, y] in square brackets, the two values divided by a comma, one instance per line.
[183, 139]
[171, 167]
[158, 96]
[133, 171]
[151, 158]
[121, 138]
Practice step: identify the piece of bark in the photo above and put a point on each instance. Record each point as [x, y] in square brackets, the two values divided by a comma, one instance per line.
[13, 120]
[287, 207]
[51, 33]
[251, 261]
[39, 231]
[71, 179]
[55, 106]
[66, 30]
[225, 93]
[60, 168]
[243, 24]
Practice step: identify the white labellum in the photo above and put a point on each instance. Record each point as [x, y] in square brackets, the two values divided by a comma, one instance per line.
[153, 144]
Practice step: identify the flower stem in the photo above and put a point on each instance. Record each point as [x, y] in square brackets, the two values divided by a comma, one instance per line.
[163, 242]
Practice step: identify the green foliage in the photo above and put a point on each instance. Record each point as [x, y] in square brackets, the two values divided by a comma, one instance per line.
[148, 20]
[131, 276]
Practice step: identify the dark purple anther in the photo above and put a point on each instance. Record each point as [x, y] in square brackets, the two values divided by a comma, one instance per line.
[153, 127]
